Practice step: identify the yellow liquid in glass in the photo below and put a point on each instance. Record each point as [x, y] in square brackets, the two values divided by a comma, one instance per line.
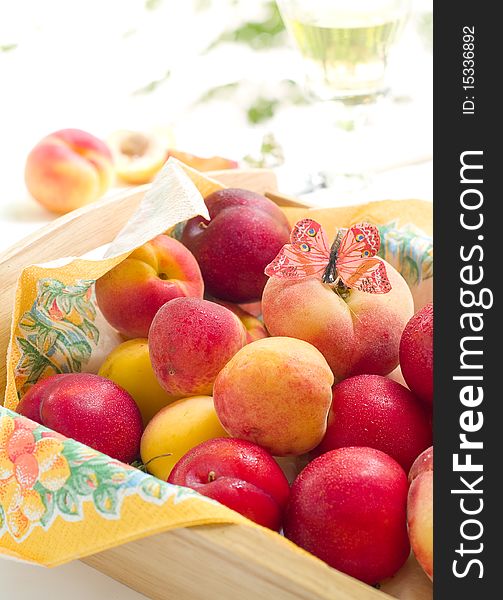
[345, 57]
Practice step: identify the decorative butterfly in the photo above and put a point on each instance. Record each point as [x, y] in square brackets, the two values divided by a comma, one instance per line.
[351, 261]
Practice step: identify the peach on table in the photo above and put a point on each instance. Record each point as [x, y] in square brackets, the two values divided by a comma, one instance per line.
[138, 156]
[68, 169]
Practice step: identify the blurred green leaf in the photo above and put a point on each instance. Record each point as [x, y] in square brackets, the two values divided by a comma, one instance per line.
[152, 4]
[271, 154]
[152, 86]
[8, 47]
[294, 92]
[262, 110]
[218, 92]
[256, 34]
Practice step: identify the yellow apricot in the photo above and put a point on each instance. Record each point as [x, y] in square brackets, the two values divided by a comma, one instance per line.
[128, 365]
[175, 430]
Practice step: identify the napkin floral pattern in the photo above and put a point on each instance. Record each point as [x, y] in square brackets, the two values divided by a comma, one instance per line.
[44, 475]
[57, 334]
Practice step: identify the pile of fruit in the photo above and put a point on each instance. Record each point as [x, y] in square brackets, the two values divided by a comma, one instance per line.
[223, 371]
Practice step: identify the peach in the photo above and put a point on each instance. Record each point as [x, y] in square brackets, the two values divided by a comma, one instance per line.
[416, 354]
[238, 474]
[190, 341]
[68, 169]
[138, 156]
[176, 429]
[374, 411]
[357, 334]
[131, 293]
[420, 510]
[255, 329]
[348, 507]
[129, 366]
[91, 410]
[245, 233]
[275, 392]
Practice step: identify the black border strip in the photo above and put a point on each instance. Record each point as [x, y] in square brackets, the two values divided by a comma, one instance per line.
[459, 408]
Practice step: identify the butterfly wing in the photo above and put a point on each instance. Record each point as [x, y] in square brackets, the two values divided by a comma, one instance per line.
[310, 232]
[374, 279]
[361, 239]
[357, 264]
[307, 253]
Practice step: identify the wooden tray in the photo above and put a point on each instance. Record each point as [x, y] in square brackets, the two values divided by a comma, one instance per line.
[217, 562]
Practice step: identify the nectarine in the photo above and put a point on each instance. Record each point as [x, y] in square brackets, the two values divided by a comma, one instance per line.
[416, 354]
[348, 507]
[245, 233]
[91, 410]
[374, 411]
[239, 474]
[275, 392]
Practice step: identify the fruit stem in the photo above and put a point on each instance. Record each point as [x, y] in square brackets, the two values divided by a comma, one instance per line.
[341, 289]
[211, 476]
[156, 457]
